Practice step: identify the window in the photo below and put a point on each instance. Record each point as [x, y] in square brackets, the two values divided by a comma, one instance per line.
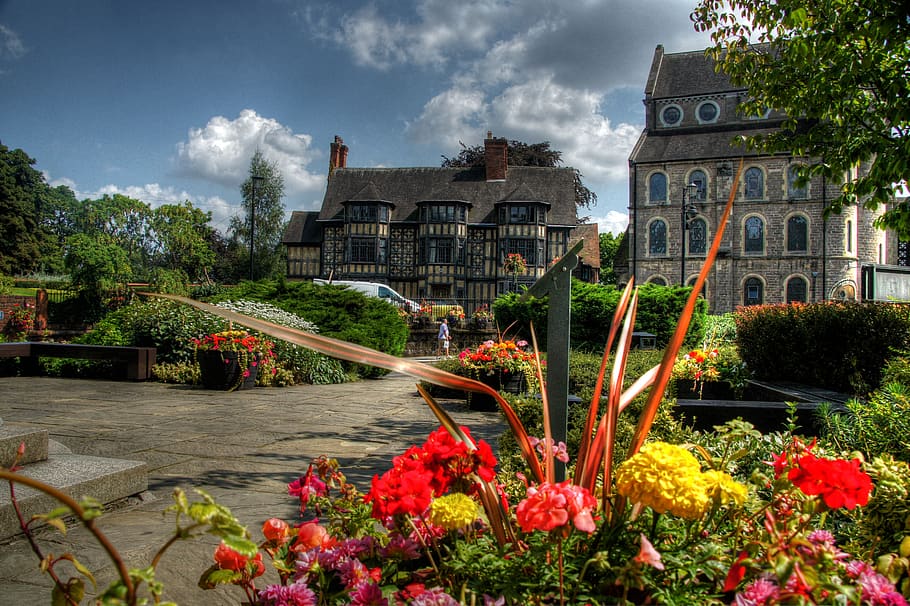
[440, 250]
[700, 179]
[753, 292]
[797, 234]
[797, 290]
[754, 235]
[657, 280]
[657, 238]
[368, 213]
[363, 250]
[443, 213]
[796, 192]
[520, 214]
[657, 187]
[527, 248]
[755, 183]
[707, 112]
[671, 115]
[698, 237]
[849, 233]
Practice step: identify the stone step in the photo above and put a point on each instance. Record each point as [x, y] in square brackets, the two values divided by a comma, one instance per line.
[11, 436]
[107, 480]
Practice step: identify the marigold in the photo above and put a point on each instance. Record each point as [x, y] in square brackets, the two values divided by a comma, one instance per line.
[724, 489]
[664, 477]
[453, 511]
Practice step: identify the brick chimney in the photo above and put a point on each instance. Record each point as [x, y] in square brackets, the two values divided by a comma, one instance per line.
[338, 155]
[496, 157]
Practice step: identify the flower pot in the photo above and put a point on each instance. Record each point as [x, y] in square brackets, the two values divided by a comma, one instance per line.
[501, 381]
[222, 369]
[687, 389]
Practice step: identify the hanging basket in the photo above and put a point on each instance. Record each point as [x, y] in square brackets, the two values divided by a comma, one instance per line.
[222, 370]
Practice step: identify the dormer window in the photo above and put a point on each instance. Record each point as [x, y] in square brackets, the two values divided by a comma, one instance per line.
[367, 212]
[522, 214]
[443, 213]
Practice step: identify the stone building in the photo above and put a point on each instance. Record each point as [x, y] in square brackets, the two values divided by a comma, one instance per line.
[436, 233]
[778, 246]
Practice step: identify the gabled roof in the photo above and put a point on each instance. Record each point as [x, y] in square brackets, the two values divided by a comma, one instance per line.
[302, 228]
[686, 74]
[590, 250]
[406, 187]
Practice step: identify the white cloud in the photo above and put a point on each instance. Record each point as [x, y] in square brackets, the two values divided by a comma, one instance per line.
[452, 116]
[614, 222]
[221, 152]
[11, 46]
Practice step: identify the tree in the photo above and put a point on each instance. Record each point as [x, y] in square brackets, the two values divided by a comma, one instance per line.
[840, 69]
[181, 236]
[523, 154]
[609, 249]
[22, 236]
[267, 209]
[125, 221]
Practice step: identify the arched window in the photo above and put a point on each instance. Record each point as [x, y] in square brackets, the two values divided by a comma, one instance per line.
[657, 280]
[700, 179]
[754, 235]
[796, 192]
[657, 238]
[753, 292]
[698, 237]
[755, 183]
[657, 187]
[797, 290]
[797, 234]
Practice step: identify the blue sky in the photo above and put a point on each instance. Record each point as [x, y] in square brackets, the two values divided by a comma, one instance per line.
[167, 101]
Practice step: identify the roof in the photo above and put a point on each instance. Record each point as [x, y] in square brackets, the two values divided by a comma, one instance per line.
[590, 250]
[693, 145]
[404, 188]
[685, 74]
[302, 228]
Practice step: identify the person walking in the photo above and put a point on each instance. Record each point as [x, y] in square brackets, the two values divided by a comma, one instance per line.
[442, 338]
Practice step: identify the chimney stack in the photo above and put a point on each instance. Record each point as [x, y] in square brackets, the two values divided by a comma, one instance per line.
[338, 155]
[496, 157]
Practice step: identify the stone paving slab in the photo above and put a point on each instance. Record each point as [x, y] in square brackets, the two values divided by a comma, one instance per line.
[242, 447]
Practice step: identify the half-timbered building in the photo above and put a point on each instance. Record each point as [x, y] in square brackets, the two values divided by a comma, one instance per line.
[435, 233]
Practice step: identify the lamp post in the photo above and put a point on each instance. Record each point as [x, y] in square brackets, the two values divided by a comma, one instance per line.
[688, 212]
[255, 180]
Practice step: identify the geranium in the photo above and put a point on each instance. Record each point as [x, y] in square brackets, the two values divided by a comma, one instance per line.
[491, 358]
[514, 264]
[550, 506]
[252, 351]
[21, 319]
[838, 482]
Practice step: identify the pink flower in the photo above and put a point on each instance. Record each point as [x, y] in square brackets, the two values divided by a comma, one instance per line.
[550, 506]
[648, 555]
[297, 594]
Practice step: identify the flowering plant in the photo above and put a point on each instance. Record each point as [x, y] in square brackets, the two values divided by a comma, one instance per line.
[483, 313]
[252, 351]
[514, 264]
[711, 364]
[21, 320]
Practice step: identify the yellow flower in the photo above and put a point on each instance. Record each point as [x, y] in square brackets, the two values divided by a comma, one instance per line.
[453, 511]
[724, 489]
[664, 477]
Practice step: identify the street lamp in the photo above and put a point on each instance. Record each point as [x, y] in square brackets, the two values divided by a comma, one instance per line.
[255, 180]
[688, 212]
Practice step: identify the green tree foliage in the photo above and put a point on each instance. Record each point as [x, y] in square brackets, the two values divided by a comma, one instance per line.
[523, 154]
[268, 209]
[58, 212]
[181, 239]
[839, 69]
[610, 247]
[841, 346]
[593, 306]
[96, 263]
[120, 221]
[22, 236]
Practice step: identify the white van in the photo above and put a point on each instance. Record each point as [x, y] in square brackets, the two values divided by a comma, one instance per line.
[375, 289]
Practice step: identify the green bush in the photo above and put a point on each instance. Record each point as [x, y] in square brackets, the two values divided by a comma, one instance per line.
[841, 346]
[875, 427]
[592, 309]
[338, 312]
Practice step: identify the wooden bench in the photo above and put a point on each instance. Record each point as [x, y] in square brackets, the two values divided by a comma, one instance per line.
[139, 360]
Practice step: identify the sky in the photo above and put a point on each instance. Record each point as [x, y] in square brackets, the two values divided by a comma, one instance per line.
[168, 101]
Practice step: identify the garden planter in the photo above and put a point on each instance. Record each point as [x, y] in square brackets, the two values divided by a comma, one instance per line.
[222, 370]
[501, 381]
[687, 389]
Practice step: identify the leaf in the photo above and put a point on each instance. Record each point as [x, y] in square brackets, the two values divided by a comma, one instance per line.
[80, 568]
[241, 545]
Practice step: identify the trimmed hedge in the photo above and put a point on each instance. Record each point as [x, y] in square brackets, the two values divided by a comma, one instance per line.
[840, 346]
[593, 306]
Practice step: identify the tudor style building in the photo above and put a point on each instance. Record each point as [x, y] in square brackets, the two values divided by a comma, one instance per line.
[778, 246]
[436, 233]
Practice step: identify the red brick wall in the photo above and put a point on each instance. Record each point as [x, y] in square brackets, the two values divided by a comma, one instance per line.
[10, 302]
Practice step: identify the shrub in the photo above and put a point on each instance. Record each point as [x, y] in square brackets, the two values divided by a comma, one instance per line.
[876, 427]
[593, 306]
[840, 346]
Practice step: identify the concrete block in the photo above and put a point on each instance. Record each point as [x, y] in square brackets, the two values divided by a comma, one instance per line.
[11, 436]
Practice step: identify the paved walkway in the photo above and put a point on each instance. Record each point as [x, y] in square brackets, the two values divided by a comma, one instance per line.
[241, 447]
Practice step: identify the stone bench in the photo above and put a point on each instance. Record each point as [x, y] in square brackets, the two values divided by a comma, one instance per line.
[138, 360]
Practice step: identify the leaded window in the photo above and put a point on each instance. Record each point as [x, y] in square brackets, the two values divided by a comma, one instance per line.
[363, 250]
[700, 179]
[698, 237]
[657, 238]
[797, 290]
[527, 248]
[657, 187]
[367, 213]
[796, 192]
[440, 250]
[753, 292]
[755, 183]
[754, 235]
[797, 234]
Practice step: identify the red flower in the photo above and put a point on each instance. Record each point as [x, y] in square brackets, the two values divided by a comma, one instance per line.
[840, 483]
[550, 506]
[310, 535]
[737, 573]
[229, 559]
[276, 530]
